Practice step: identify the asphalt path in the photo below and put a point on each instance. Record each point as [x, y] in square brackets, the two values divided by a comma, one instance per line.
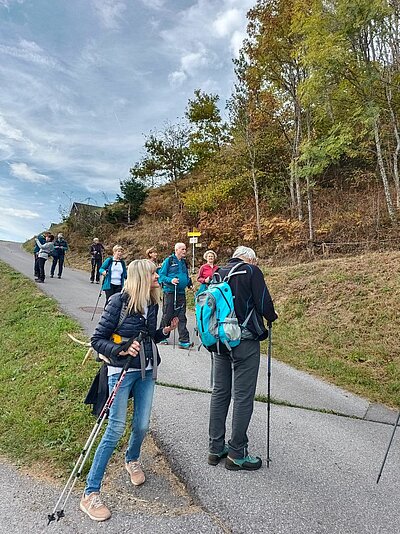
[323, 469]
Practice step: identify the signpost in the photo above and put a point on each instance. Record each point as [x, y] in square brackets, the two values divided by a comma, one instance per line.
[193, 240]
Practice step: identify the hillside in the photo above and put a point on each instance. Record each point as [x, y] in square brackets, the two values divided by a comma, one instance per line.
[339, 319]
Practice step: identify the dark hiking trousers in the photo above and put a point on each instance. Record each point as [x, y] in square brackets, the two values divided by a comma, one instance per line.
[60, 261]
[36, 265]
[109, 292]
[96, 264]
[246, 362]
[40, 266]
[178, 309]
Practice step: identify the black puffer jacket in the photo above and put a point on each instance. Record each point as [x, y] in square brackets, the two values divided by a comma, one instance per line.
[131, 326]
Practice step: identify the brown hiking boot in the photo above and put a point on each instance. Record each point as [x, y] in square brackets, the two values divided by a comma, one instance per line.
[92, 506]
[136, 473]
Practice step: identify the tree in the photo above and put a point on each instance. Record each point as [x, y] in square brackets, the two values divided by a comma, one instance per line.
[208, 132]
[133, 195]
[351, 48]
[168, 157]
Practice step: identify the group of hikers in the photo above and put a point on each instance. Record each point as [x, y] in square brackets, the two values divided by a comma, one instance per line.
[133, 294]
[46, 245]
[131, 309]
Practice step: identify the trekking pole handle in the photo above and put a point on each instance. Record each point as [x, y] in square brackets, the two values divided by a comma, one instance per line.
[125, 346]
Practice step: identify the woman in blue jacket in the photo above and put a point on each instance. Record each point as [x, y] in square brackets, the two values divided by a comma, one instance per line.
[128, 313]
[114, 271]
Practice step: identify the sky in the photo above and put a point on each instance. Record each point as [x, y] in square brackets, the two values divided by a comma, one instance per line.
[83, 81]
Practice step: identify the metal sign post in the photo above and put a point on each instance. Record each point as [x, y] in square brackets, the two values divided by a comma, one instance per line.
[193, 240]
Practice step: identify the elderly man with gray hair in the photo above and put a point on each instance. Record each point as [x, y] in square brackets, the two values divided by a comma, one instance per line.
[252, 303]
[174, 278]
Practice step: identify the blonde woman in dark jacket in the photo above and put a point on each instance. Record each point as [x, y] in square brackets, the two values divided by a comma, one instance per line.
[139, 302]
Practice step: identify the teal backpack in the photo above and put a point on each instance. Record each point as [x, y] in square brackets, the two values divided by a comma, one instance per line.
[217, 323]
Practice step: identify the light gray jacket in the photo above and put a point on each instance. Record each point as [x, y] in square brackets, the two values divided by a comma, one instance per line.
[45, 250]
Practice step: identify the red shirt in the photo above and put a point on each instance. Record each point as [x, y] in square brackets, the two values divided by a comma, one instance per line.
[206, 271]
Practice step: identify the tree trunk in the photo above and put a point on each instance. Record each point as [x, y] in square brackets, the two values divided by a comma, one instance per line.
[129, 213]
[257, 203]
[382, 170]
[295, 155]
[252, 159]
[395, 155]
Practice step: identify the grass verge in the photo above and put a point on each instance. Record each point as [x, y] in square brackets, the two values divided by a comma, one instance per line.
[43, 419]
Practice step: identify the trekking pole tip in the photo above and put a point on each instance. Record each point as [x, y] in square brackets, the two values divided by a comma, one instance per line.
[60, 515]
[50, 518]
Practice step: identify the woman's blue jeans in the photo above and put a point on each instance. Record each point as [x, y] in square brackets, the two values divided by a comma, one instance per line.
[142, 391]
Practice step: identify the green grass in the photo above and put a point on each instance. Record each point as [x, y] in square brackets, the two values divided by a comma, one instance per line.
[339, 319]
[43, 418]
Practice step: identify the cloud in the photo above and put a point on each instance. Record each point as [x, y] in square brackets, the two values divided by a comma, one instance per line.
[22, 214]
[8, 131]
[227, 22]
[153, 4]
[8, 3]
[25, 173]
[31, 52]
[110, 12]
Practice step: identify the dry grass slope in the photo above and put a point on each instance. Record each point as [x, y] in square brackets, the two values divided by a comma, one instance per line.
[339, 319]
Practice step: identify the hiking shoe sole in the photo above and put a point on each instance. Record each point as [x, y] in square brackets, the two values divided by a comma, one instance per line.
[186, 346]
[246, 466]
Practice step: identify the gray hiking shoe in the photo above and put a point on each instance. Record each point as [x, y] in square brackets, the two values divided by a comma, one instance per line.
[248, 463]
[92, 506]
[214, 458]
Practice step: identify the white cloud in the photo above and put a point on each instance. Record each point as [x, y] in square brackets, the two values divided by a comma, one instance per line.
[25, 173]
[227, 22]
[110, 12]
[177, 78]
[21, 214]
[236, 42]
[8, 3]
[31, 52]
[8, 131]
[153, 4]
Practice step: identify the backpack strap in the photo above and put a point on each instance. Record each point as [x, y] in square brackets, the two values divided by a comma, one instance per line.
[244, 324]
[233, 271]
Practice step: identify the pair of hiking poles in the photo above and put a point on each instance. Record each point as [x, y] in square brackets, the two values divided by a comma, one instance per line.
[268, 418]
[58, 512]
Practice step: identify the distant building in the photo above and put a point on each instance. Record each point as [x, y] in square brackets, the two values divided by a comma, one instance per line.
[78, 208]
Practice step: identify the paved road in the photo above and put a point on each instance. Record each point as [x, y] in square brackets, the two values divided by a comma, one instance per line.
[321, 480]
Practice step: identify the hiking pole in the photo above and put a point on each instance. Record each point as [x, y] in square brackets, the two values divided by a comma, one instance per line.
[269, 388]
[78, 467]
[97, 303]
[387, 450]
[174, 335]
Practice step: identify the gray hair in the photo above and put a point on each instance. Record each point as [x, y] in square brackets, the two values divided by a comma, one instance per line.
[244, 252]
[179, 245]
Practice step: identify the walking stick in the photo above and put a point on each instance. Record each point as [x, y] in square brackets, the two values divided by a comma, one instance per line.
[78, 467]
[174, 335]
[269, 388]
[97, 303]
[387, 450]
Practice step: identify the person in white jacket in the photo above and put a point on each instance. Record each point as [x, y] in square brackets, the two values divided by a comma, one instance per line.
[45, 251]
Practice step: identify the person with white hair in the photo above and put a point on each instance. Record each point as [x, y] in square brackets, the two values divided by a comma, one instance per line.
[174, 278]
[96, 259]
[60, 248]
[252, 303]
